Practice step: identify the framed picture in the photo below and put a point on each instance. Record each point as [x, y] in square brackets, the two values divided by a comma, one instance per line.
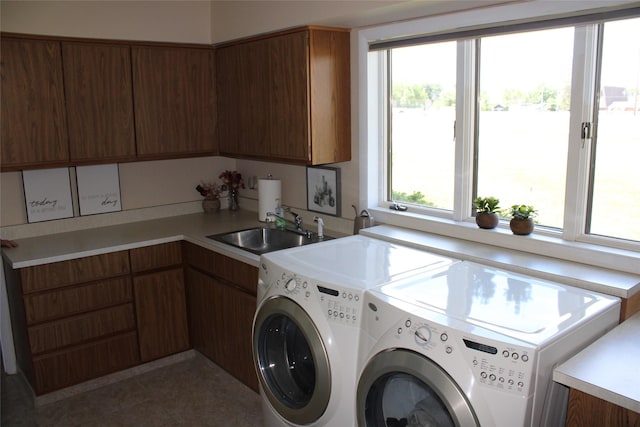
[98, 189]
[323, 190]
[47, 194]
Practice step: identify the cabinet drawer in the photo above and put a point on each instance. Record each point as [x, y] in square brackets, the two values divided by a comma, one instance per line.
[64, 273]
[77, 329]
[75, 300]
[165, 255]
[65, 368]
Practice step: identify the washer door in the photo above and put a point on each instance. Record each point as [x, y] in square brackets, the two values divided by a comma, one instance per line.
[291, 361]
[400, 387]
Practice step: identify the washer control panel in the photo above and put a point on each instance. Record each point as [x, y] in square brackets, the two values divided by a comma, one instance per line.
[493, 364]
[339, 304]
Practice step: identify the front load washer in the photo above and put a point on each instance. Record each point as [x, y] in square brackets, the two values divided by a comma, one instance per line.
[471, 345]
[307, 324]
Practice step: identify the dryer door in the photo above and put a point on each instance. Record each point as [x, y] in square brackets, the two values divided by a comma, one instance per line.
[291, 361]
[400, 387]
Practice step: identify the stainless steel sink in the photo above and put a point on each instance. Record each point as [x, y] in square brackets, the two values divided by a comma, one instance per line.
[260, 240]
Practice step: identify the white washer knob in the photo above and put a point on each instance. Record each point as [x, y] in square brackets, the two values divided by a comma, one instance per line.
[291, 285]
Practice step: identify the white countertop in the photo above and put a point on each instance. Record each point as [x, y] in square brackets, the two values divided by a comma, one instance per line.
[77, 244]
[609, 368]
[610, 282]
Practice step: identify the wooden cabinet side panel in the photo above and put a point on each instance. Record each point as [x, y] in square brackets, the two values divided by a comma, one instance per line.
[174, 100]
[630, 306]
[205, 303]
[585, 410]
[330, 96]
[289, 101]
[78, 329]
[45, 306]
[65, 368]
[161, 314]
[34, 124]
[157, 256]
[99, 101]
[57, 274]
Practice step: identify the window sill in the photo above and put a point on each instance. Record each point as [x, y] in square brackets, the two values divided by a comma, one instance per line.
[611, 271]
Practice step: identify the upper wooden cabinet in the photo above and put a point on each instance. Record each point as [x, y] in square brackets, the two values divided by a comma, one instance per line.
[34, 122]
[97, 81]
[174, 100]
[286, 97]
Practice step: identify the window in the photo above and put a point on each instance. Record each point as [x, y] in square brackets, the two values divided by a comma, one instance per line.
[517, 124]
[615, 171]
[423, 114]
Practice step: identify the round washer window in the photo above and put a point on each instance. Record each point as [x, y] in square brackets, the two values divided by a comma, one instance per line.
[291, 361]
[286, 361]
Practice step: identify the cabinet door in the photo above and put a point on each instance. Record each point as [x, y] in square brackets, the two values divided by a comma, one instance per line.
[243, 99]
[34, 124]
[239, 309]
[289, 103]
[174, 100]
[206, 316]
[99, 101]
[161, 313]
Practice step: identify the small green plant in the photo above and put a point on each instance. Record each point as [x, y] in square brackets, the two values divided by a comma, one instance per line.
[486, 204]
[522, 211]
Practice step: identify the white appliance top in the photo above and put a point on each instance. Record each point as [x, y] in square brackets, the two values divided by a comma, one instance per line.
[357, 262]
[512, 304]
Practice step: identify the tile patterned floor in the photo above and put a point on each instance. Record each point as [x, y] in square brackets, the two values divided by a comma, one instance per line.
[194, 392]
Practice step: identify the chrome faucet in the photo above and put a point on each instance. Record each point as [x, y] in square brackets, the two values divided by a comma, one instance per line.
[296, 224]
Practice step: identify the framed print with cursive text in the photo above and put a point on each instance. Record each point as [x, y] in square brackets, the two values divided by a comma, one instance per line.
[98, 189]
[47, 194]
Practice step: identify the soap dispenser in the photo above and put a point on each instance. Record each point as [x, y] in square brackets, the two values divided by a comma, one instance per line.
[280, 221]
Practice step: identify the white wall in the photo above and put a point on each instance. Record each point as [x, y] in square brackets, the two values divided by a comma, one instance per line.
[172, 20]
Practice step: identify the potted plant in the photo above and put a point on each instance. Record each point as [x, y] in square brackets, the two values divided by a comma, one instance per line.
[522, 219]
[486, 212]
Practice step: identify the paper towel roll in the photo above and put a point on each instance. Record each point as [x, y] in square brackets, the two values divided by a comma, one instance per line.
[268, 197]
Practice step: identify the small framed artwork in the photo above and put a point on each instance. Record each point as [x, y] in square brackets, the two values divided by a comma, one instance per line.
[323, 190]
[98, 189]
[47, 194]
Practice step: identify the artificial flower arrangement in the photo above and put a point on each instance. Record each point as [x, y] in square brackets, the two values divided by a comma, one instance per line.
[209, 190]
[231, 180]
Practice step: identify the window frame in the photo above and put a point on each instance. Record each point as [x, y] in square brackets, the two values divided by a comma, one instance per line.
[571, 243]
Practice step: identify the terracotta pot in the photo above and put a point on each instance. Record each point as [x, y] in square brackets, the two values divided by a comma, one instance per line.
[521, 227]
[487, 220]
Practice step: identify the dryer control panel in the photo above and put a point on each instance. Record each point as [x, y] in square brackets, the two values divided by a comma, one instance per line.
[493, 364]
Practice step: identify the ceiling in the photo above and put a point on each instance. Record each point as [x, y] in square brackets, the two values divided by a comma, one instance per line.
[375, 13]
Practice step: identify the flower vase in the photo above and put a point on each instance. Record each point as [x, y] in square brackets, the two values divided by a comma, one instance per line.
[211, 204]
[233, 199]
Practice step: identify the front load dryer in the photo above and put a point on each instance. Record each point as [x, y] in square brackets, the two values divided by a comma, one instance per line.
[307, 324]
[470, 345]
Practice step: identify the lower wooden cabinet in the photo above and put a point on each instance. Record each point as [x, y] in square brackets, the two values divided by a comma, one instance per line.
[161, 313]
[585, 410]
[80, 319]
[84, 362]
[221, 310]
